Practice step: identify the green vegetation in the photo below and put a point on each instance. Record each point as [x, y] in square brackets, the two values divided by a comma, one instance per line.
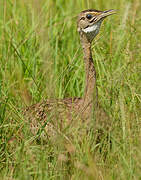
[41, 57]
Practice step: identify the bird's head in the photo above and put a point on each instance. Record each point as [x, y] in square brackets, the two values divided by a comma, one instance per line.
[89, 22]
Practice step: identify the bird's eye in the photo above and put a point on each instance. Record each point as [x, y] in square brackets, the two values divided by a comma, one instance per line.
[89, 16]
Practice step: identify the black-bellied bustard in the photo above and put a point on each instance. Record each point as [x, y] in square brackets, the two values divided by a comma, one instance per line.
[51, 115]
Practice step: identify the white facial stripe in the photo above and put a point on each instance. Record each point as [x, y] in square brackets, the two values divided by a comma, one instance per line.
[91, 28]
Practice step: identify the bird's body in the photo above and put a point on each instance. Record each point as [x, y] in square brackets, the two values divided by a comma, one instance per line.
[52, 115]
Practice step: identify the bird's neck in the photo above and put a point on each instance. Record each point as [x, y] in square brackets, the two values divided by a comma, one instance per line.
[90, 93]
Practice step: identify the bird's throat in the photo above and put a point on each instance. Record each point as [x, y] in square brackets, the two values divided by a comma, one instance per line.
[92, 31]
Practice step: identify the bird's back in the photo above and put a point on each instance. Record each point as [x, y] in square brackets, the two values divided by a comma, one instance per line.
[52, 115]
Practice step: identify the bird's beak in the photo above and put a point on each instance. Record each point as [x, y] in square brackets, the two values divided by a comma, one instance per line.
[107, 13]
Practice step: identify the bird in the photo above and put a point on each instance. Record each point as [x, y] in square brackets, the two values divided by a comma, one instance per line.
[50, 116]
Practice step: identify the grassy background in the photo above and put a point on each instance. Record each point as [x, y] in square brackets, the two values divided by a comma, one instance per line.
[41, 57]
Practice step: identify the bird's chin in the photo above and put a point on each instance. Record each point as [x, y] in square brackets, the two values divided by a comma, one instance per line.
[91, 32]
[90, 29]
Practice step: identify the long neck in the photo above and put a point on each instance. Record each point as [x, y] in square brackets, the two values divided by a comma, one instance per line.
[90, 93]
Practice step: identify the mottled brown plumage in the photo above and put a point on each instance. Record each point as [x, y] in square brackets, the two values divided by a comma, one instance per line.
[54, 115]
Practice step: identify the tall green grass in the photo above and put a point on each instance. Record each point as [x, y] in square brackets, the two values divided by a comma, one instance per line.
[41, 57]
